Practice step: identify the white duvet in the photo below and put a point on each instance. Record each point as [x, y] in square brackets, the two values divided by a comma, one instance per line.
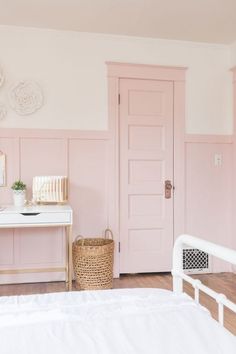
[128, 321]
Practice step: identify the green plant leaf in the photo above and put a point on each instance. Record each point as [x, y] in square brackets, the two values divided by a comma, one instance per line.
[18, 186]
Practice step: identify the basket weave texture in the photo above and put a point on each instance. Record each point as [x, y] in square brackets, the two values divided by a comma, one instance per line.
[93, 262]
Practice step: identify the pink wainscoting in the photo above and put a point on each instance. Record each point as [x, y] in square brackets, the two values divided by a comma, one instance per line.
[7, 248]
[234, 158]
[42, 156]
[85, 158]
[209, 192]
[88, 159]
[88, 175]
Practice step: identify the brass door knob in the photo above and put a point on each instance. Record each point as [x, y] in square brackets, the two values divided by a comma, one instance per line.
[168, 188]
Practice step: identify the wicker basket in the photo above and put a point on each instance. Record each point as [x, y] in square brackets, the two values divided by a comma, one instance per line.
[93, 262]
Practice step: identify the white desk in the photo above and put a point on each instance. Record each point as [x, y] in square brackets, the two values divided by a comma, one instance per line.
[41, 216]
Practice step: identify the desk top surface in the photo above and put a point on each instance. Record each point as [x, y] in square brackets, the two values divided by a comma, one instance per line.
[11, 209]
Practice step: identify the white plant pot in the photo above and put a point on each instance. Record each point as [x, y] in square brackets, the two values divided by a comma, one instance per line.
[19, 198]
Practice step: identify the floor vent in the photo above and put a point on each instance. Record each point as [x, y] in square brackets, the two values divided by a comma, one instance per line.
[195, 261]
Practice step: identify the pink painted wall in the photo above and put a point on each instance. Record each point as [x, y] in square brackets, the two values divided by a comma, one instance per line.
[88, 175]
[208, 211]
[87, 158]
[234, 162]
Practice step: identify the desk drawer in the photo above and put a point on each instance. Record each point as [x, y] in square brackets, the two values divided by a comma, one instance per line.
[34, 218]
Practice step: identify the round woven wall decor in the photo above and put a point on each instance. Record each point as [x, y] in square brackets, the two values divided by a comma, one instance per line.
[26, 97]
[3, 111]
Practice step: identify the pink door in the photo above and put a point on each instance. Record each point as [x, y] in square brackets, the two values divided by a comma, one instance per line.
[146, 162]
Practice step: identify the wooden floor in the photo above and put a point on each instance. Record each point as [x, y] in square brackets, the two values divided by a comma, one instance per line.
[222, 283]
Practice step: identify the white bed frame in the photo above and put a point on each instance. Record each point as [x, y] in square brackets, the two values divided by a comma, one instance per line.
[221, 252]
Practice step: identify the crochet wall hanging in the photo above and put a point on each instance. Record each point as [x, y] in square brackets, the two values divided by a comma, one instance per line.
[26, 97]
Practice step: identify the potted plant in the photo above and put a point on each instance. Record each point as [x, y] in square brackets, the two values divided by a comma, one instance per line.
[19, 189]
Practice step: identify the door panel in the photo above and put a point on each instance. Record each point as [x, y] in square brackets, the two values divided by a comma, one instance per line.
[146, 161]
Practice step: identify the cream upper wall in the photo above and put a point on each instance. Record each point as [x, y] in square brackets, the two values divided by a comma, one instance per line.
[71, 69]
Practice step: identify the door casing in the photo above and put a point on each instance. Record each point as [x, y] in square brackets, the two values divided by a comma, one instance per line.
[116, 71]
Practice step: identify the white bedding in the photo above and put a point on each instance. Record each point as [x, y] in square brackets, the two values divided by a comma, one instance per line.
[128, 321]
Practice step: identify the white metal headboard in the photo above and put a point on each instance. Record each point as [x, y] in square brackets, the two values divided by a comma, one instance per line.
[221, 252]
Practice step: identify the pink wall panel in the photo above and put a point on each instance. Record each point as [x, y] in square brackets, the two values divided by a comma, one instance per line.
[7, 248]
[40, 246]
[209, 194]
[87, 159]
[86, 162]
[234, 159]
[88, 174]
[41, 156]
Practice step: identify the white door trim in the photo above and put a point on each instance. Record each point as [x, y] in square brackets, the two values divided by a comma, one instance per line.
[116, 71]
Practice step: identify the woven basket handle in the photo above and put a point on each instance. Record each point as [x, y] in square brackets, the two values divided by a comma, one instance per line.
[108, 234]
[79, 237]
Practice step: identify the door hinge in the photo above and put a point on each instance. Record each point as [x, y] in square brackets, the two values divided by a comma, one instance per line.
[119, 247]
[118, 98]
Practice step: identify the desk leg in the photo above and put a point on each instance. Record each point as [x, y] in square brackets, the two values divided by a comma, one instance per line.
[69, 257]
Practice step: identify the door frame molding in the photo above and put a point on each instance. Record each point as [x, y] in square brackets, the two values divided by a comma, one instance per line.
[177, 75]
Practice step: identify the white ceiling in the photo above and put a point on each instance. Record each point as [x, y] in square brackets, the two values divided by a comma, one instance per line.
[211, 21]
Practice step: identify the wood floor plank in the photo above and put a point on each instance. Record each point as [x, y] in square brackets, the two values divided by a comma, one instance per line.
[222, 283]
